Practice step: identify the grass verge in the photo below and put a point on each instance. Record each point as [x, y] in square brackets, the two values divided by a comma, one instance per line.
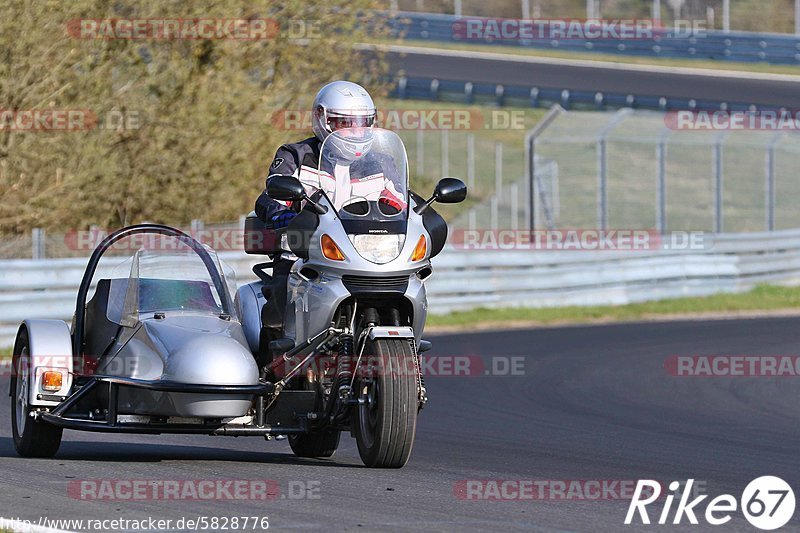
[762, 298]
[5, 353]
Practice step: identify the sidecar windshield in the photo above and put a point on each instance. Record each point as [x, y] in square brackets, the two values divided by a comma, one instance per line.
[364, 172]
[172, 278]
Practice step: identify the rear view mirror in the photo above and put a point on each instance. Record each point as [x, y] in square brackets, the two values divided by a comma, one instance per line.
[450, 191]
[285, 188]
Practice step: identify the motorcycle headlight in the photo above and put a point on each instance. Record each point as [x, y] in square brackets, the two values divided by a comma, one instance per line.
[378, 248]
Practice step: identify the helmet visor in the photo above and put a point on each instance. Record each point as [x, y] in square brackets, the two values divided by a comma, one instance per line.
[336, 122]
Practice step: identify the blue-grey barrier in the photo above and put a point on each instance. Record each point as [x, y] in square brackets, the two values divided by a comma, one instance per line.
[470, 92]
[717, 45]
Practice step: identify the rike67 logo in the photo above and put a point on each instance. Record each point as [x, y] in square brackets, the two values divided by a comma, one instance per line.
[767, 503]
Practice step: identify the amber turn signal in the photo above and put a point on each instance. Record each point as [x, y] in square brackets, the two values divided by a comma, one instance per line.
[51, 380]
[420, 249]
[330, 250]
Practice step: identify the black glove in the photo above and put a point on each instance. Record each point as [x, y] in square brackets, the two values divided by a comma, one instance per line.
[282, 219]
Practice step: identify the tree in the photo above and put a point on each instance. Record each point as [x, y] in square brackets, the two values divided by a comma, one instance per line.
[182, 125]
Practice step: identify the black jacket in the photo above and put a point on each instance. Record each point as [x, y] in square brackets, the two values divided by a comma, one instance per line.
[289, 159]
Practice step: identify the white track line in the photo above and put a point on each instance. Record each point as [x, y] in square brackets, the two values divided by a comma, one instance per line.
[607, 65]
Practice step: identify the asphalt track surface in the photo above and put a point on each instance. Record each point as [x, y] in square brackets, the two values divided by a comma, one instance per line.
[669, 83]
[594, 403]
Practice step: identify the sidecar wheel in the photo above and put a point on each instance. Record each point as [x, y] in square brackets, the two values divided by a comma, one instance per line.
[385, 422]
[315, 444]
[31, 438]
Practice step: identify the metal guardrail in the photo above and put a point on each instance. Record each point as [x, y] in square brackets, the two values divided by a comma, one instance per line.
[468, 279]
[501, 94]
[717, 45]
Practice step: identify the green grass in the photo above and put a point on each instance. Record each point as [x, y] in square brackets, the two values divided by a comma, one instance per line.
[5, 353]
[592, 56]
[762, 298]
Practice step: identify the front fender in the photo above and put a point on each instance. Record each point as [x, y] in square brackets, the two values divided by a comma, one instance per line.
[49, 348]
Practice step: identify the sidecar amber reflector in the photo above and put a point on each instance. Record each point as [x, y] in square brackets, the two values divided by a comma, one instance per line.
[330, 250]
[420, 250]
[51, 380]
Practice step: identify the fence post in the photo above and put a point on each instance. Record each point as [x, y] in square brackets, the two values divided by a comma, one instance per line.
[530, 163]
[514, 192]
[420, 152]
[717, 164]
[797, 17]
[470, 160]
[498, 168]
[602, 166]
[38, 250]
[769, 187]
[402, 84]
[602, 185]
[661, 187]
[445, 153]
[498, 184]
[196, 228]
[726, 16]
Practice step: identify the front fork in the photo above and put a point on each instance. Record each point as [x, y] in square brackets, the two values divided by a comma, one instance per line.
[342, 395]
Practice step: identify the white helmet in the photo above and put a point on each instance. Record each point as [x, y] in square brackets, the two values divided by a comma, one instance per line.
[341, 104]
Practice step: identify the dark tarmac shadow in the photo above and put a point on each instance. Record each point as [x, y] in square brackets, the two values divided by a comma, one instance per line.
[112, 452]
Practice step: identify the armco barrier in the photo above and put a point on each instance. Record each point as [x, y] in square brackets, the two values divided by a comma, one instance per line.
[717, 45]
[469, 279]
[468, 92]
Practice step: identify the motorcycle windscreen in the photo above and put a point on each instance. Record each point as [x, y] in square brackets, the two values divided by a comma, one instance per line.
[364, 173]
[171, 278]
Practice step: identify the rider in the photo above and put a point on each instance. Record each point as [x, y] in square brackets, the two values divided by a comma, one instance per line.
[337, 106]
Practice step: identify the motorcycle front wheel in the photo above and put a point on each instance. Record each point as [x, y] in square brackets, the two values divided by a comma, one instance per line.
[385, 420]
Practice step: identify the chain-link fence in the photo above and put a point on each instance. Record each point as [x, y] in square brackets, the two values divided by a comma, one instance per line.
[741, 15]
[643, 169]
[592, 169]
